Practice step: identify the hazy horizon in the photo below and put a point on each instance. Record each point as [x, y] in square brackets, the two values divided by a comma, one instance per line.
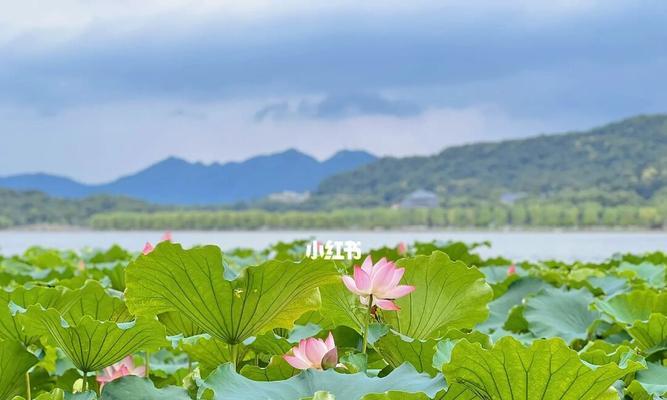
[321, 158]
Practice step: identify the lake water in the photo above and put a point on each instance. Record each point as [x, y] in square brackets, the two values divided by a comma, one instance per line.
[569, 246]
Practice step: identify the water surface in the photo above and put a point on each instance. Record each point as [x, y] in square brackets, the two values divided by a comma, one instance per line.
[569, 246]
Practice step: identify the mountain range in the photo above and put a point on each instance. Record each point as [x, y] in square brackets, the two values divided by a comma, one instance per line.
[179, 182]
[620, 163]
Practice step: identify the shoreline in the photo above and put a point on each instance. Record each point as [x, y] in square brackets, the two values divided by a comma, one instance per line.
[45, 228]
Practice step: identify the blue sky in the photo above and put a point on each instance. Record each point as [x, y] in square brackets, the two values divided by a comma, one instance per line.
[94, 90]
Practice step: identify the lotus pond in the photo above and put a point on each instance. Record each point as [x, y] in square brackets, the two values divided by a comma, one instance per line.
[428, 320]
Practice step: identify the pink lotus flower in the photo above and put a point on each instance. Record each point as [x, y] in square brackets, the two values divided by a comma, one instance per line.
[402, 248]
[122, 368]
[314, 353]
[380, 281]
[511, 270]
[148, 247]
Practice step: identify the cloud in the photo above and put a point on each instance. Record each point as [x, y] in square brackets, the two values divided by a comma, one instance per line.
[207, 55]
[276, 111]
[340, 106]
[64, 19]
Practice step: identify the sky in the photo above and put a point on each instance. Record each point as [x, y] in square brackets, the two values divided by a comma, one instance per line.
[93, 89]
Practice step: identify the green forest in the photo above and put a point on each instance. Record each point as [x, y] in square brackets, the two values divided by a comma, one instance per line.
[520, 215]
[618, 164]
[104, 212]
[29, 208]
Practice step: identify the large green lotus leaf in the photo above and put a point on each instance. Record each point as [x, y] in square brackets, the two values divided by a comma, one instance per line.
[167, 362]
[192, 282]
[95, 301]
[499, 308]
[650, 336]
[448, 295]
[526, 338]
[457, 391]
[277, 370]
[227, 384]
[90, 395]
[134, 387]
[610, 285]
[393, 395]
[341, 307]
[177, 324]
[612, 332]
[555, 312]
[208, 351]
[114, 253]
[516, 322]
[113, 271]
[546, 370]
[636, 391]
[271, 344]
[321, 396]
[15, 361]
[600, 352]
[582, 273]
[471, 336]
[601, 345]
[45, 258]
[397, 349]
[12, 301]
[653, 275]
[91, 344]
[457, 251]
[496, 274]
[650, 383]
[60, 394]
[637, 305]
[444, 347]
[310, 323]
[20, 272]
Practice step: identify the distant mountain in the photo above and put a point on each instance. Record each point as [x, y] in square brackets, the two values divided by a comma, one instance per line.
[53, 185]
[178, 182]
[620, 163]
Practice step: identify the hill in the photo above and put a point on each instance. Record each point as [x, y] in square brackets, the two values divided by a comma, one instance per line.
[176, 181]
[620, 163]
[26, 208]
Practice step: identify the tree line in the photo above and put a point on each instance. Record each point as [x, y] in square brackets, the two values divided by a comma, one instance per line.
[104, 212]
[28, 208]
[518, 215]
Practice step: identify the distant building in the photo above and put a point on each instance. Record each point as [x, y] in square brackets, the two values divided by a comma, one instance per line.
[511, 198]
[420, 199]
[289, 197]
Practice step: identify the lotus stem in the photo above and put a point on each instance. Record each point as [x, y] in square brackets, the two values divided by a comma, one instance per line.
[85, 381]
[148, 365]
[28, 394]
[234, 351]
[367, 319]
